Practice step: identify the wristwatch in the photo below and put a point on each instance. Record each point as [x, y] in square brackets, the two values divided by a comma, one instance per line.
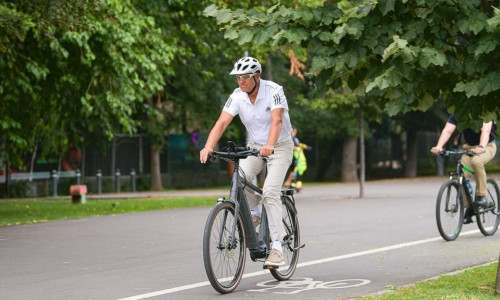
[481, 146]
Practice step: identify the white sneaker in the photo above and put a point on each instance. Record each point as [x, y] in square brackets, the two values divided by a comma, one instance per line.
[275, 259]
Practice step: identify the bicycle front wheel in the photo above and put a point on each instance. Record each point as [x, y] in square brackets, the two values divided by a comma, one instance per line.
[488, 220]
[449, 210]
[291, 241]
[224, 254]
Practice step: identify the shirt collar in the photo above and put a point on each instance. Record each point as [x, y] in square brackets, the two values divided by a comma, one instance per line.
[261, 94]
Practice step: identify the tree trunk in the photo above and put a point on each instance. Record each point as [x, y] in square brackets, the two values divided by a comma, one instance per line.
[349, 162]
[155, 168]
[412, 159]
[155, 177]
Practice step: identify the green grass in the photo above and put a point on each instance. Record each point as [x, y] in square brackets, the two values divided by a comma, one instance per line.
[476, 283]
[16, 212]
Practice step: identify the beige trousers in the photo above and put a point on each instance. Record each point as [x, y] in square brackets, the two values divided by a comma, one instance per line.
[477, 163]
[277, 167]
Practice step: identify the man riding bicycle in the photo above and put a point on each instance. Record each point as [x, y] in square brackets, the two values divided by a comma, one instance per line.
[263, 109]
[483, 144]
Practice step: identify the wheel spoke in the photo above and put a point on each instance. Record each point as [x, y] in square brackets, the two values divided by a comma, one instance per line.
[290, 242]
[449, 212]
[488, 220]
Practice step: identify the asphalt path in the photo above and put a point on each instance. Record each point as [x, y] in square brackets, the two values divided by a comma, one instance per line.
[354, 247]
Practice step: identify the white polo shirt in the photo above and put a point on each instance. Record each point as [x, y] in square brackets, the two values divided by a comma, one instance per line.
[257, 117]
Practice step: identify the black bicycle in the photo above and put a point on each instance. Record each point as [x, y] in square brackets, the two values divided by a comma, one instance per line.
[229, 230]
[450, 202]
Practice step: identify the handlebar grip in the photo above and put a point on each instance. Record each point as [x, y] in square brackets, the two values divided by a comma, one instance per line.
[211, 157]
[241, 149]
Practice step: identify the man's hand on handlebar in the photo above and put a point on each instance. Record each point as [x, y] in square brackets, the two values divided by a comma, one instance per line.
[204, 153]
[436, 150]
[266, 150]
[478, 150]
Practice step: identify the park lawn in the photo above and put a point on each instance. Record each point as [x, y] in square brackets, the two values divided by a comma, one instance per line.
[475, 283]
[30, 211]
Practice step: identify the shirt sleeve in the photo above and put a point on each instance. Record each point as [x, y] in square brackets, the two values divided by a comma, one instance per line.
[452, 119]
[278, 99]
[231, 106]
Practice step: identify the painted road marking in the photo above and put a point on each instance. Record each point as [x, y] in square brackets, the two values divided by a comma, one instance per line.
[304, 264]
[300, 284]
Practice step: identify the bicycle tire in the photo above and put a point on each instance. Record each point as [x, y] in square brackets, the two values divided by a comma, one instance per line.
[292, 241]
[488, 221]
[449, 210]
[224, 266]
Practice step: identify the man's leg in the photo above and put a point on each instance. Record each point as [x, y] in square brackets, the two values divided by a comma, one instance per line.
[477, 163]
[277, 166]
[251, 166]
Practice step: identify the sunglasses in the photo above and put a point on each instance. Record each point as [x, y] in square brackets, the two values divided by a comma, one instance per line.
[244, 77]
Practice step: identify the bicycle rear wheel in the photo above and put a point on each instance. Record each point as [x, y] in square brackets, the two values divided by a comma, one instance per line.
[449, 210]
[224, 260]
[291, 241]
[488, 220]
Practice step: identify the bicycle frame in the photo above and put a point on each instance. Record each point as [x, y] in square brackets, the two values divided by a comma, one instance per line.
[459, 176]
[257, 243]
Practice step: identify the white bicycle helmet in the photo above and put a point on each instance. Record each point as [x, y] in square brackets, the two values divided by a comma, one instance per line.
[246, 65]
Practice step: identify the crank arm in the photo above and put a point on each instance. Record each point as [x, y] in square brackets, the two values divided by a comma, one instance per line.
[297, 248]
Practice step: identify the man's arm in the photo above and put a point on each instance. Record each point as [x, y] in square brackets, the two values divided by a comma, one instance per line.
[274, 132]
[444, 137]
[484, 138]
[215, 134]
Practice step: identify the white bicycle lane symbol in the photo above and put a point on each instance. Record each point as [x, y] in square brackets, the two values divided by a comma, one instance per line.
[301, 284]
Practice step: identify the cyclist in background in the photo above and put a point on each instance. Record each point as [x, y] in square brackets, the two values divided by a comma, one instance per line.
[263, 109]
[299, 164]
[483, 144]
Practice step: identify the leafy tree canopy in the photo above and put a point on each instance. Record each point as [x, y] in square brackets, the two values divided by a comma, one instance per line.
[405, 55]
[75, 69]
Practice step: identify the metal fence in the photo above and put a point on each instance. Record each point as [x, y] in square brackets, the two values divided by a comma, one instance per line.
[124, 164]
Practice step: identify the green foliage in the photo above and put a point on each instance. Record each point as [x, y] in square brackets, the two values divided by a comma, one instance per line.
[405, 55]
[73, 70]
[194, 94]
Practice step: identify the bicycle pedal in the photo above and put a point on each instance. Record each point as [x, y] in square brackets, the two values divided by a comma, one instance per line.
[297, 248]
[270, 267]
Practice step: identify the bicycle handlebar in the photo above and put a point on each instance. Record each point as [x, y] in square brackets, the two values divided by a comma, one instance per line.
[457, 153]
[231, 151]
[240, 152]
